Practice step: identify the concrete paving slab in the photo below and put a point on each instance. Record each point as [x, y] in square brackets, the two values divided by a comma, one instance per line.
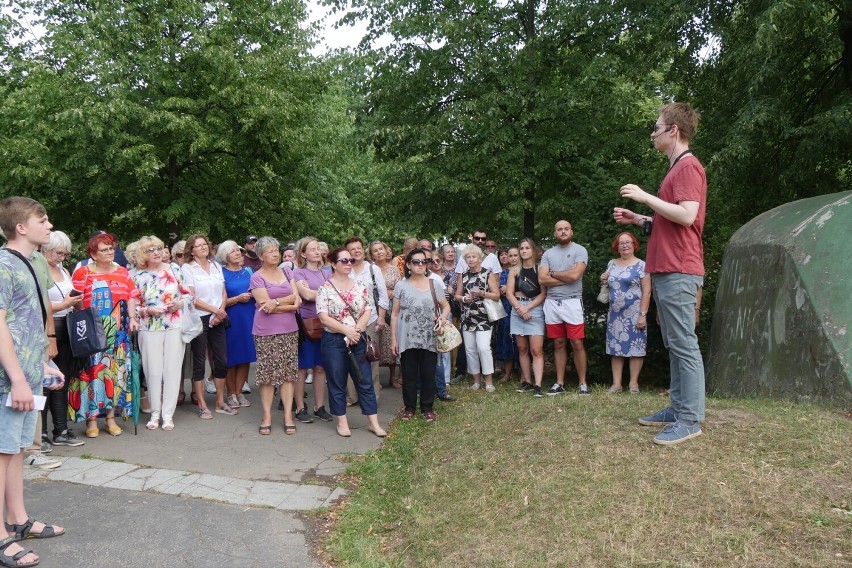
[145, 530]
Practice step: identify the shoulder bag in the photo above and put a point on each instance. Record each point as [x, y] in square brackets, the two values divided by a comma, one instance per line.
[493, 308]
[447, 337]
[603, 295]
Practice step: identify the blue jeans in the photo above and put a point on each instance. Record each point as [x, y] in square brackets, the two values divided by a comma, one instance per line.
[338, 366]
[440, 381]
[675, 295]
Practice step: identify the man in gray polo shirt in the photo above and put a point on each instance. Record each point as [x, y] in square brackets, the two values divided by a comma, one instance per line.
[561, 270]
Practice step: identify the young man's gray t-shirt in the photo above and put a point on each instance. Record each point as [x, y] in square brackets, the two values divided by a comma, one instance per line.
[558, 259]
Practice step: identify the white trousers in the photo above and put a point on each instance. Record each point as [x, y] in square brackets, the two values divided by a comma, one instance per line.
[162, 359]
[477, 347]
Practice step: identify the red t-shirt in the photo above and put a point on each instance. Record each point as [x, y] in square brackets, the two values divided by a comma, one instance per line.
[673, 247]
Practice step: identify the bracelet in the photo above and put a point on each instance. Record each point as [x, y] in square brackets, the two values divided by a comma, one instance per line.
[51, 335]
[643, 314]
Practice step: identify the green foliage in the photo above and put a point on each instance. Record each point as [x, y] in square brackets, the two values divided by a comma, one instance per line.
[178, 116]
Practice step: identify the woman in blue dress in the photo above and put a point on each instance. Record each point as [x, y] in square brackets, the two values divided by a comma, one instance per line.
[627, 322]
[240, 306]
[505, 349]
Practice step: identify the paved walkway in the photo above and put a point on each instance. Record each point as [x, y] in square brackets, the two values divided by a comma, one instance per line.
[210, 492]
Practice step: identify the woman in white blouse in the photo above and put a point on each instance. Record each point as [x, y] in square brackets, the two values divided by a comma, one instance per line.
[206, 282]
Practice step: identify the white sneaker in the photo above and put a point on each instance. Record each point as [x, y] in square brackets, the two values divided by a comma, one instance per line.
[490, 388]
[474, 386]
[209, 386]
[309, 380]
[41, 461]
[246, 388]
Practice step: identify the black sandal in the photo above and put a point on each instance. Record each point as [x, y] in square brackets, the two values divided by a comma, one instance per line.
[289, 429]
[12, 561]
[24, 531]
[265, 430]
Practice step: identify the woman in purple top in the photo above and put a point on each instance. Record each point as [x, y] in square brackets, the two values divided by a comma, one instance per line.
[309, 277]
[275, 333]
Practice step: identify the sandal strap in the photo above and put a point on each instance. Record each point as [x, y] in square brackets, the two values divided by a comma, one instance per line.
[22, 531]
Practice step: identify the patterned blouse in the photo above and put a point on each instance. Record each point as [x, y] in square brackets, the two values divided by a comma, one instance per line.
[158, 288]
[330, 302]
[474, 317]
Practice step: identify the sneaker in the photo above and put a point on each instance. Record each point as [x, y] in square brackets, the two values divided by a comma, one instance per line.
[309, 378]
[661, 418]
[46, 446]
[584, 390]
[537, 392]
[474, 386]
[67, 438]
[556, 389]
[246, 388]
[429, 417]
[524, 387]
[209, 386]
[40, 461]
[490, 388]
[323, 414]
[678, 432]
[447, 398]
[303, 416]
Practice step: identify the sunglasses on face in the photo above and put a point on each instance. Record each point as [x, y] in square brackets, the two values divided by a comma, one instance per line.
[420, 262]
[479, 239]
[152, 250]
[345, 261]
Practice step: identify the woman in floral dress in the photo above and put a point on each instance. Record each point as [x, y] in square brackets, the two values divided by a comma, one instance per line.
[627, 322]
[380, 253]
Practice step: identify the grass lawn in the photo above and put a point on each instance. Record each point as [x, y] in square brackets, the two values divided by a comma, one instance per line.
[505, 480]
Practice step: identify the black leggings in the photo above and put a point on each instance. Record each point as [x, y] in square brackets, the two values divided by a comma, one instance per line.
[215, 338]
[418, 370]
[57, 400]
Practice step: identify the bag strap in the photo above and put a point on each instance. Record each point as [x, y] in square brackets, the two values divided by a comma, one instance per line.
[35, 278]
[434, 296]
[348, 305]
[375, 287]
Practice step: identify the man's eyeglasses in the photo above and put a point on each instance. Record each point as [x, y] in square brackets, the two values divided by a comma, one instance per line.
[346, 261]
[152, 250]
[479, 239]
[420, 262]
[106, 250]
[658, 126]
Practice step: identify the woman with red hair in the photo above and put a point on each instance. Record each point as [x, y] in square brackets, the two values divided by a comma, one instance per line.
[627, 322]
[101, 389]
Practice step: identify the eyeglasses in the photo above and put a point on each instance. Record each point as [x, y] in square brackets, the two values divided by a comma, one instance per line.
[491, 246]
[626, 243]
[420, 262]
[61, 254]
[106, 250]
[346, 261]
[178, 255]
[658, 126]
[152, 250]
[479, 239]
[436, 261]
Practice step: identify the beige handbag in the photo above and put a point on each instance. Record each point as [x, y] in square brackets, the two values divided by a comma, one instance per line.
[447, 337]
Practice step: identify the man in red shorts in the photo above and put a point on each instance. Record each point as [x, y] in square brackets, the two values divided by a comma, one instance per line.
[561, 270]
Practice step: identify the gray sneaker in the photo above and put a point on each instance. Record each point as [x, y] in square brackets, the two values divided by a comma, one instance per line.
[661, 418]
[678, 432]
[303, 416]
[41, 461]
[67, 438]
[323, 414]
[46, 446]
[584, 390]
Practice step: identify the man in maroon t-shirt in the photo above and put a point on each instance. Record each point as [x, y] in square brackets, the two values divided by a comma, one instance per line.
[675, 261]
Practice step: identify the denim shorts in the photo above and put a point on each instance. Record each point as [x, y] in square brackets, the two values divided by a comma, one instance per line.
[534, 326]
[17, 428]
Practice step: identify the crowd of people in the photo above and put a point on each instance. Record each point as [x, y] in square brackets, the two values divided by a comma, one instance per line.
[305, 314]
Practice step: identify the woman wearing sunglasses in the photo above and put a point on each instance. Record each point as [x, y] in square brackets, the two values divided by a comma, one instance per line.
[163, 298]
[413, 322]
[343, 308]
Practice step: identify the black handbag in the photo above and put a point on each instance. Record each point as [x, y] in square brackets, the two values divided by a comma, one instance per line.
[528, 287]
[85, 332]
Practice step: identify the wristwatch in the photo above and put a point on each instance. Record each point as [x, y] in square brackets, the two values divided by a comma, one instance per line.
[643, 314]
[277, 303]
